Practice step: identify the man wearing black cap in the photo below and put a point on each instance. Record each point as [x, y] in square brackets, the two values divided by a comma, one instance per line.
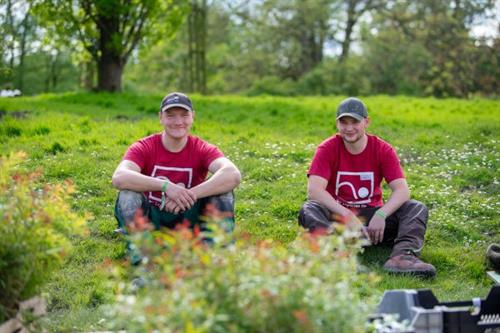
[164, 175]
[344, 183]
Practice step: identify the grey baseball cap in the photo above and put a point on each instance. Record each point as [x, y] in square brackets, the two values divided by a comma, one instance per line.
[176, 99]
[352, 107]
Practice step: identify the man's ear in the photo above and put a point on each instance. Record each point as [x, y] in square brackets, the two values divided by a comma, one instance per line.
[194, 114]
[368, 121]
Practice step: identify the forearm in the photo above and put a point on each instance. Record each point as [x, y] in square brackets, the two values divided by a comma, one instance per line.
[222, 181]
[135, 181]
[396, 200]
[326, 199]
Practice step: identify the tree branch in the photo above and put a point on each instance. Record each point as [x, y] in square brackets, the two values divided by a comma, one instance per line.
[136, 36]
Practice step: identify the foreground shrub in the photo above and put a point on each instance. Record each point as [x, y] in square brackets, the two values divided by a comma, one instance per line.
[311, 285]
[35, 226]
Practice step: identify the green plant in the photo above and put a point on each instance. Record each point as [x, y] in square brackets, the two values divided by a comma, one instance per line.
[310, 285]
[35, 229]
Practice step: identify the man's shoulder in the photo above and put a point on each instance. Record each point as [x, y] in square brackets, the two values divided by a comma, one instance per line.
[198, 142]
[150, 138]
[196, 139]
[332, 141]
[378, 142]
[147, 141]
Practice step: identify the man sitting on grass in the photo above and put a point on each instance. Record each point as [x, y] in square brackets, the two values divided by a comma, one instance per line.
[344, 181]
[163, 176]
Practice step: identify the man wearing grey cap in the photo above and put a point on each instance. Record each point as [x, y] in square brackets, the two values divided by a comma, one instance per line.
[164, 176]
[344, 184]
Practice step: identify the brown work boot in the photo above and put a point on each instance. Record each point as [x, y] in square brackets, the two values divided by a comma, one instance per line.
[409, 264]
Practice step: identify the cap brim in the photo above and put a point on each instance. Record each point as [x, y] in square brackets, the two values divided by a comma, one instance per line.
[185, 107]
[352, 115]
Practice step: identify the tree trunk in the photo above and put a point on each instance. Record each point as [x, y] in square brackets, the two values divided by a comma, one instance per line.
[47, 76]
[351, 21]
[12, 31]
[197, 26]
[202, 42]
[53, 71]
[111, 62]
[190, 58]
[88, 75]
[109, 73]
[22, 49]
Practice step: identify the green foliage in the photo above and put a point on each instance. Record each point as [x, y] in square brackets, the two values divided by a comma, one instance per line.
[309, 285]
[333, 78]
[401, 63]
[272, 85]
[110, 30]
[276, 47]
[258, 47]
[35, 230]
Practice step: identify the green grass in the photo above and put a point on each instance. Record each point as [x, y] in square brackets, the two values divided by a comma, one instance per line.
[449, 150]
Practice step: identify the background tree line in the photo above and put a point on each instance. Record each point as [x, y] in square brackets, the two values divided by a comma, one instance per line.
[284, 47]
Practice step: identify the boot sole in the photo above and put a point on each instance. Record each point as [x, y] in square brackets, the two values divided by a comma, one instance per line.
[426, 274]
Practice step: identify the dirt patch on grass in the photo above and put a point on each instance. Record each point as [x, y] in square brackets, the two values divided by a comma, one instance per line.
[21, 114]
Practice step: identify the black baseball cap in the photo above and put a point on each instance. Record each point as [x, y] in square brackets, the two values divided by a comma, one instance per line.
[176, 99]
[352, 107]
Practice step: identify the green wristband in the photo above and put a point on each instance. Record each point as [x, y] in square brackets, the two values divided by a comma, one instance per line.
[163, 195]
[381, 214]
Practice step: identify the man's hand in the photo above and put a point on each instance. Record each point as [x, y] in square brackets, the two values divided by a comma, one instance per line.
[354, 223]
[376, 229]
[172, 207]
[182, 197]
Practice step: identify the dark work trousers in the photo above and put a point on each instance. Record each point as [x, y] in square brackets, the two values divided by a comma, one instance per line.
[404, 229]
[128, 202]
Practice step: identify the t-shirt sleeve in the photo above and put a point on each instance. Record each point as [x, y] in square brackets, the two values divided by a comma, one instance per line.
[322, 161]
[391, 167]
[137, 153]
[209, 153]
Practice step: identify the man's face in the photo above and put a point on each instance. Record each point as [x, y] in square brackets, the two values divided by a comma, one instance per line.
[351, 129]
[177, 122]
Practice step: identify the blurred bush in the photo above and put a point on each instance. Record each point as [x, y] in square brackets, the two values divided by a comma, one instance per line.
[272, 85]
[310, 285]
[35, 229]
[333, 78]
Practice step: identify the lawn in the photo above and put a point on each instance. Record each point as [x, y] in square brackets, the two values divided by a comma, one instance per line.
[449, 150]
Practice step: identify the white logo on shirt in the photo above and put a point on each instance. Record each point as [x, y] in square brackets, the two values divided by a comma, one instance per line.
[356, 185]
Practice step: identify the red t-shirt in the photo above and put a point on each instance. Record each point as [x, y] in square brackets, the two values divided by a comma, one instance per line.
[188, 167]
[354, 180]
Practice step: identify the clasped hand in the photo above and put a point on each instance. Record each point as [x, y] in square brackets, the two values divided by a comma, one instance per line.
[179, 199]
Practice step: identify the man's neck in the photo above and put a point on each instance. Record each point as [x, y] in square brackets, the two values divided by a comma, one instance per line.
[173, 145]
[358, 146]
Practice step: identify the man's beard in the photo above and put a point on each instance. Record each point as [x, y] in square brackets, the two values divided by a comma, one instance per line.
[351, 141]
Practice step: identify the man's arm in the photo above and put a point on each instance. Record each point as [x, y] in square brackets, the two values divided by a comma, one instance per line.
[225, 178]
[127, 176]
[316, 190]
[400, 193]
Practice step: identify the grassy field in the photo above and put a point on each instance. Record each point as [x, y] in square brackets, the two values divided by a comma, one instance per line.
[449, 150]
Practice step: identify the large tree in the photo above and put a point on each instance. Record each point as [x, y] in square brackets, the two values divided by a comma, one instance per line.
[110, 30]
[425, 47]
[18, 32]
[197, 46]
[354, 10]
